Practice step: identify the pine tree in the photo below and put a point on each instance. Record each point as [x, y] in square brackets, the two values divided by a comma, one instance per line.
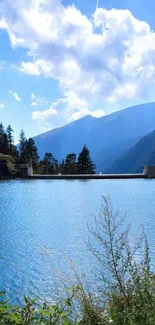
[22, 147]
[5, 144]
[1, 138]
[9, 132]
[49, 165]
[85, 164]
[31, 153]
[22, 141]
[61, 168]
[70, 164]
[55, 164]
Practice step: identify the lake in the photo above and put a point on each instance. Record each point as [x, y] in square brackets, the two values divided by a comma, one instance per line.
[43, 225]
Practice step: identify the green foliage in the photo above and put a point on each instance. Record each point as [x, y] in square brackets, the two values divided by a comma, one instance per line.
[5, 145]
[91, 314]
[28, 151]
[7, 142]
[31, 154]
[29, 314]
[85, 164]
[28, 154]
[8, 149]
[61, 167]
[22, 146]
[129, 288]
[9, 132]
[1, 137]
[48, 165]
[70, 164]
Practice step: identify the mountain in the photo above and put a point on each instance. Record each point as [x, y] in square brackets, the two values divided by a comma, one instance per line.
[67, 139]
[108, 137]
[141, 154]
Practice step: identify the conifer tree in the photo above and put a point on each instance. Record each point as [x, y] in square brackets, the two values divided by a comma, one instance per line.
[49, 165]
[61, 168]
[5, 149]
[85, 164]
[31, 153]
[70, 164]
[22, 141]
[22, 147]
[9, 132]
[1, 138]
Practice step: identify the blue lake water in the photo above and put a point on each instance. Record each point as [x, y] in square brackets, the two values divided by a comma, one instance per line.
[43, 224]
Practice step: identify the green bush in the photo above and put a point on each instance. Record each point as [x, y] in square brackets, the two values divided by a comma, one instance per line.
[129, 291]
[29, 314]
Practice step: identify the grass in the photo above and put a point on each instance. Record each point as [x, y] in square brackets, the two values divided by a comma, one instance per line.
[127, 292]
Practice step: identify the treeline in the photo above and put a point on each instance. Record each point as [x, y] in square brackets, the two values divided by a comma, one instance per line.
[7, 146]
[71, 165]
[26, 152]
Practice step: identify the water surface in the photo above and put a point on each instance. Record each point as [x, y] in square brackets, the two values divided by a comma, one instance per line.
[41, 215]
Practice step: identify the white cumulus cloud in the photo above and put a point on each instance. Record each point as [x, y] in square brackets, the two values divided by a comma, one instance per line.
[97, 61]
[15, 95]
[39, 115]
[37, 100]
[62, 111]
[29, 68]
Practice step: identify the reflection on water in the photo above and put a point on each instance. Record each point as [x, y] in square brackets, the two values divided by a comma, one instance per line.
[43, 224]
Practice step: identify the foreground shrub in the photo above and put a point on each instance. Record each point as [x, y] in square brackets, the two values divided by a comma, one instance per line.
[29, 314]
[128, 285]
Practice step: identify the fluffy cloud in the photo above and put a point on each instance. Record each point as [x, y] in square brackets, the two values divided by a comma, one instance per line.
[54, 116]
[1, 106]
[64, 110]
[29, 68]
[15, 96]
[37, 100]
[36, 68]
[105, 59]
[44, 115]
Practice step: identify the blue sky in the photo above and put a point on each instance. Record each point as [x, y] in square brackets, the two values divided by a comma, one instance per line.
[59, 61]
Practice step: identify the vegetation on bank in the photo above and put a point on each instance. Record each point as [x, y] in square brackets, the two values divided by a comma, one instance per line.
[26, 152]
[71, 165]
[126, 294]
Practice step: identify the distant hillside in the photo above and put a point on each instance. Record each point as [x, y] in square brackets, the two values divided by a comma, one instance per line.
[67, 139]
[107, 138]
[141, 154]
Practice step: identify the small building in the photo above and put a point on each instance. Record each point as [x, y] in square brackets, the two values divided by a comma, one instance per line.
[149, 171]
[26, 170]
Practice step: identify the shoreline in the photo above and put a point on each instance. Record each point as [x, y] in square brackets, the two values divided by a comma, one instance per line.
[93, 176]
[82, 177]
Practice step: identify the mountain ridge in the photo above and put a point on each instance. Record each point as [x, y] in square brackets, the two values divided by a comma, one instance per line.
[107, 138]
[141, 154]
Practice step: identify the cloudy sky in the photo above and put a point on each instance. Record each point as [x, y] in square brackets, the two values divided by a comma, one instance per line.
[61, 60]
